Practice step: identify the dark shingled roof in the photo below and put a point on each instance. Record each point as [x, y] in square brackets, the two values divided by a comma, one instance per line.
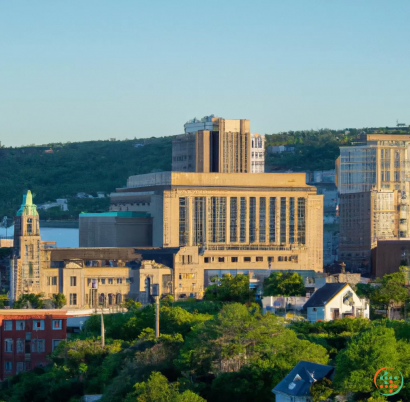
[324, 294]
[302, 376]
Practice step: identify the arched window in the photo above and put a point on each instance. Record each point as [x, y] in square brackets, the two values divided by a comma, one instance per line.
[101, 299]
[119, 298]
[110, 299]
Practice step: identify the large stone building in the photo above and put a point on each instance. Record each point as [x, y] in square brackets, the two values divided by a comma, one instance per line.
[373, 183]
[213, 144]
[219, 223]
[184, 228]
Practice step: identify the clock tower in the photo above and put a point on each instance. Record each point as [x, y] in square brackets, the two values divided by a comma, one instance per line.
[25, 275]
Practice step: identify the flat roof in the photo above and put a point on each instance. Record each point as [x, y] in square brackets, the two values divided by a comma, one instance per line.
[241, 180]
[118, 214]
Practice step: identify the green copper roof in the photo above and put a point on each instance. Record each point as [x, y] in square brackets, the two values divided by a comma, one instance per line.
[27, 207]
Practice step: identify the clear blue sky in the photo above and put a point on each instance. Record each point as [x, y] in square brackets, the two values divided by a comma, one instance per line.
[76, 70]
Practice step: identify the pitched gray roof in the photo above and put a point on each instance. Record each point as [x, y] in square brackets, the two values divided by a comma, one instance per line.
[324, 294]
[301, 377]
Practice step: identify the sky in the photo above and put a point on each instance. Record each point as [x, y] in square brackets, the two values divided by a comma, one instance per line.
[97, 69]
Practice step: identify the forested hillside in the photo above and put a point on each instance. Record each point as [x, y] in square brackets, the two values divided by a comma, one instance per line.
[76, 167]
[105, 165]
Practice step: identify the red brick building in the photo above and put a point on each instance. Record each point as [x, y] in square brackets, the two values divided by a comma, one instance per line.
[27, 337]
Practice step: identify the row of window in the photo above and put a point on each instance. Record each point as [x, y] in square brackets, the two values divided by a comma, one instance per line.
[52, 281]
[20, 366]
[280, 220]
[28, 345]
[109, 281]
[208, 260]
[37, 325]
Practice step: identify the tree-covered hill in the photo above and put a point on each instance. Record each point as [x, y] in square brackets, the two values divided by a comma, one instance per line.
[94, 166]
[76, 167]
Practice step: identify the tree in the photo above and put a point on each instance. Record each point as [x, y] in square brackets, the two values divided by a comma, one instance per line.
[59, 300]
[231, 288]
[391, 290]
[367, 352]
[30, 300]
[239, 336]
[284, 284]
[158, 389]
[321, 390]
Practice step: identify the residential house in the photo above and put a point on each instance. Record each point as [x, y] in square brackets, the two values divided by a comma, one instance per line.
[295, 387]
[335, 300]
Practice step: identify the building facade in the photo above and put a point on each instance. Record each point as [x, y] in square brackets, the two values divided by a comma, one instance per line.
[28, 337]
[213, 144]
[228, 222]
[373, 183]
[257, 153]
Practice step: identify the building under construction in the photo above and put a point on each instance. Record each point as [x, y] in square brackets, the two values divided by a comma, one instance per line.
[373, 183]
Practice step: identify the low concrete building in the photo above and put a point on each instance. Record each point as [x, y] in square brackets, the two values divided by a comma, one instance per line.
[335, 300]
[116, 229]
[295, 387]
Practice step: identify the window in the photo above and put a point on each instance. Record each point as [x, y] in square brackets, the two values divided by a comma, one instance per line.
[119, 280]
[20, 345]
[8, 325]
[28, 366]
[252, 219]
[38, 346]
[259, 259]
[272, 220]
[29, 226]
[262, 219]
[19, 367]
[8, 367]
[234, 259]
[56, 342]
[110, 281]
[234, 217]
[247, 259]
[73, 281]
[52, 280]
[30, 270]
[8, 345]
[206, 260]
[57, 324]
[221, 259]
[38, 324]
[283, 220]
[73, 299]
[187, 276]
[217, 220]
[183, 221]
[103, 281]
[280, 258]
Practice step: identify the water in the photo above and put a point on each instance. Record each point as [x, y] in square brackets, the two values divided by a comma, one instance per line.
[65, 237]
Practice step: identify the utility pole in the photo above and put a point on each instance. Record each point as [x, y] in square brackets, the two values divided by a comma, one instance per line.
[155, 294]
[102, 328]
[156, 316]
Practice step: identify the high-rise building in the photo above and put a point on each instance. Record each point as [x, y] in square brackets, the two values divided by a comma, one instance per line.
[373, 183]
[213, 144]
[257, 153]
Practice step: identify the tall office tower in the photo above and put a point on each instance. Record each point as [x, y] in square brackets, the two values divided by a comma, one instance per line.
[373, 183]
[257, 153]
[215, 144]
[26, 261]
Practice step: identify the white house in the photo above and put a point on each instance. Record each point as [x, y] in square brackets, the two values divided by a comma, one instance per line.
[336, 300]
